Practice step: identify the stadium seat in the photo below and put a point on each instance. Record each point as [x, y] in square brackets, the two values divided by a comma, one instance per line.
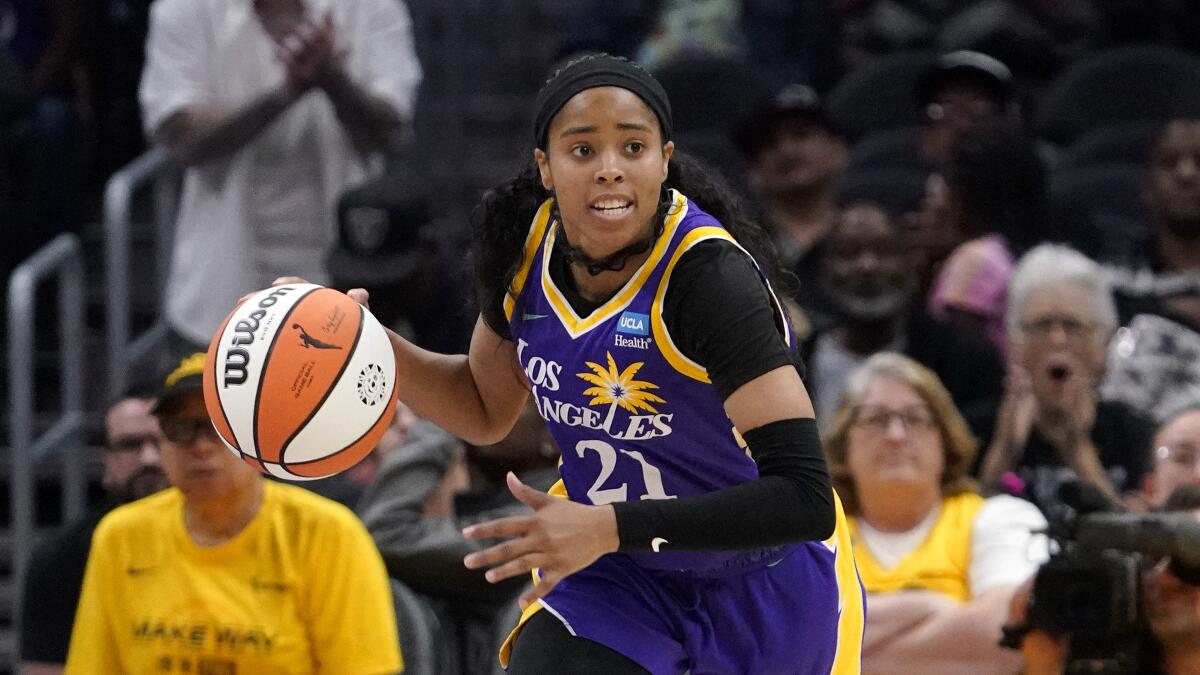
[1129, 84]
[711, 93]
[1128, 144]
[879, 94]
[1099, 209]
[419, 642]
[899, 190]
[888, 149]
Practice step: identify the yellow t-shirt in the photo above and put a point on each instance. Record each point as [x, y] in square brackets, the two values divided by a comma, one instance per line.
[941, 563]
[302, 589]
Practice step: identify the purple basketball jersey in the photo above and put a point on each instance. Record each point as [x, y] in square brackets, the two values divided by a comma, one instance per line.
[634, 417]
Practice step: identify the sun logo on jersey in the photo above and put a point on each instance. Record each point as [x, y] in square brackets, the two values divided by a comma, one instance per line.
[617, 388]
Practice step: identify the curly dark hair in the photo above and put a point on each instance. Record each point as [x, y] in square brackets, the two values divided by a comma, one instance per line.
[500, 223]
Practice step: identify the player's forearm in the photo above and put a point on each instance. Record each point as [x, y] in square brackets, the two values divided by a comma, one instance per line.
[373, 124]
[442, 389]
[955, 639]
[793, 480]
[199, 134]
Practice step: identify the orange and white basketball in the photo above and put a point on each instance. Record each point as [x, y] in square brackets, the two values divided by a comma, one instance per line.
[300, 381]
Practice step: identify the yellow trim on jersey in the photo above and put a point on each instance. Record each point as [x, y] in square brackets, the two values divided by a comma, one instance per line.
[852, 616]
[571, 321]
[662, 336]
[559, 489]
[536, 231]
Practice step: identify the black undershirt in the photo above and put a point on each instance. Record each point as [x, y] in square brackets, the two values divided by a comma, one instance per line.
[720, 314]
[717, 310]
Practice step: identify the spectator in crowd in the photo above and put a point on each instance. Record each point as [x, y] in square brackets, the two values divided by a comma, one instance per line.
[996, 197]
[869, 283]
[1174, 458]
[273, 107]
[794, 157]
[940, 563]
[1052, 426]
[1170, 607]
[1172, 246]
[227, 572]
[959, 92]
[431, 488]
[1172, 604]
[51, 591]
[1157, 288]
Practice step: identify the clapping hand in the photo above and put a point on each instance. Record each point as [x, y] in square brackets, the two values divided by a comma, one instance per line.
[308, 54]
[560, 537]
[305, 46]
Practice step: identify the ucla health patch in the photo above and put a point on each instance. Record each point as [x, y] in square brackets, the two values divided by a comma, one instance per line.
[633, 323]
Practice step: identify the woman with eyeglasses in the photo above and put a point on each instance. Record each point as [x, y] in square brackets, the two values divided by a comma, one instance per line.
[227, 572]
[1052, 427]
[939, 562]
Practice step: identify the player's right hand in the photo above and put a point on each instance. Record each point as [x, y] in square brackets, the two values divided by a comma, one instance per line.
[358, 295]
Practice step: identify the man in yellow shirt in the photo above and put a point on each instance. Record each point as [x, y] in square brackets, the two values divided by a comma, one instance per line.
[226, 573]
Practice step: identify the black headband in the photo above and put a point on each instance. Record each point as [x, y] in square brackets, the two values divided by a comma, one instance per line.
[599, 70]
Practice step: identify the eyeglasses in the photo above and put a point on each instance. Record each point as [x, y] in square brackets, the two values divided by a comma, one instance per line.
[1184, 454]
[188, 431]
[877, 419]
[132, 443]
[1073, 328]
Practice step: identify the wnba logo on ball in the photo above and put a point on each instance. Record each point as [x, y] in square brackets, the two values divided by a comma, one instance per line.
[370, 384]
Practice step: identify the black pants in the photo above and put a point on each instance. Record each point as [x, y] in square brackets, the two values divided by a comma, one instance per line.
[545, 646]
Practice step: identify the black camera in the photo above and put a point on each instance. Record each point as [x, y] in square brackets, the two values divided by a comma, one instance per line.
[1090, 589]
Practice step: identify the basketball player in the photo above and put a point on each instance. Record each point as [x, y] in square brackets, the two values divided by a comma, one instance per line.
[699, 531]
[226, 572]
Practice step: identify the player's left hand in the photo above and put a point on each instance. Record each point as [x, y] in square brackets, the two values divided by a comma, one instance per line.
[561, 537]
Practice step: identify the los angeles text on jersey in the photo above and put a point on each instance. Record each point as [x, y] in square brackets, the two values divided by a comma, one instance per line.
[615, 398]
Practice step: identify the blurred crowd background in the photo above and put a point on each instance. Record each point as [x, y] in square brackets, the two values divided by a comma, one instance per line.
[1001, 195]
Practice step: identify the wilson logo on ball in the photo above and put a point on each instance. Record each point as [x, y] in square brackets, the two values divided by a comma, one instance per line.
[300, 381]
[238, 358]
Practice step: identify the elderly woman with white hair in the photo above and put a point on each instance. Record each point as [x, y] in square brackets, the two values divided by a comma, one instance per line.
[1051, 427]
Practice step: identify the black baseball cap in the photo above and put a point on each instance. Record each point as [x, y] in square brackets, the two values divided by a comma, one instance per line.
[792, 101]
[966, 67]
[379, 230]
[185, 378]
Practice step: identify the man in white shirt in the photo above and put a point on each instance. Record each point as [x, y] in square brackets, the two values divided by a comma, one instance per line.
[274, 107]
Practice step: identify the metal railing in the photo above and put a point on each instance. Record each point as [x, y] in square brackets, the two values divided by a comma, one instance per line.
[62, 258]
[122, 348]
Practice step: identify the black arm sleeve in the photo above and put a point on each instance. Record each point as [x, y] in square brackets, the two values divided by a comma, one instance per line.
[792, 500]
[720, 315]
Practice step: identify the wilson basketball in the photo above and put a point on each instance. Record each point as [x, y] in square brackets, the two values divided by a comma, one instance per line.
[300, 381]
